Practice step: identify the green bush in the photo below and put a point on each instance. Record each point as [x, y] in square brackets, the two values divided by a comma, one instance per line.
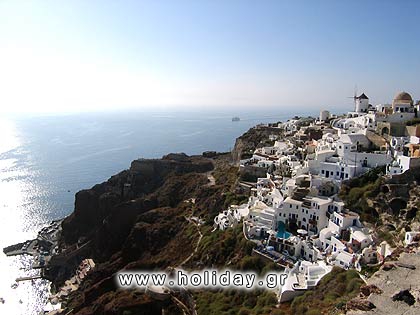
[244, 311]
[313, 311]
[251, 263]
[355, 191]
[333, 291]
[353, 285]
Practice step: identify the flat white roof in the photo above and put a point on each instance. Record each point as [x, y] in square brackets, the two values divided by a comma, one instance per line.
[359, 236]
[344, 256]
[319, 200]
[293, 201]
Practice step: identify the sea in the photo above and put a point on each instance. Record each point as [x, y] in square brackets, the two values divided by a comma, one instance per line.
[46, 159]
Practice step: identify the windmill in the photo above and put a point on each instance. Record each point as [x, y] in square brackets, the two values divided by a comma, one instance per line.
[354, 97]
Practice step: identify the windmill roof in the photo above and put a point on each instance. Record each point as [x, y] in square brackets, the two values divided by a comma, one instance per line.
[363, 97]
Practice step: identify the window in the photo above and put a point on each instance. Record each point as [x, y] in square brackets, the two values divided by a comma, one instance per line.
[322, 171]
[290, 206]
[347, 175]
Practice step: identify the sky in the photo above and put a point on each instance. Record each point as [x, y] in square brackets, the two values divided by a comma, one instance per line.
[64, 56]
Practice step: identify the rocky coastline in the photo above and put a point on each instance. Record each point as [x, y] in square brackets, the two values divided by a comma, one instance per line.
[134, 220]
[141, 219]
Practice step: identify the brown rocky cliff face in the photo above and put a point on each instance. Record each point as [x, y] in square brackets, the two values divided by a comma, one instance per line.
[157, 240]
[398, 196]
[134, 220]
[144, 177]
[105, 214]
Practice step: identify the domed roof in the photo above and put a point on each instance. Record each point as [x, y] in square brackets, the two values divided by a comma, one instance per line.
[403, 96]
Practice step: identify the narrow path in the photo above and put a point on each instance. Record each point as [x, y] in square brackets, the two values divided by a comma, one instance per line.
[196, 246]
[185, 309]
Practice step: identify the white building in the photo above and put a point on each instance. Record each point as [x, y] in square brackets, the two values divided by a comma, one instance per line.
[309, 214]
[260, 220]
[361, 103]
[344, 158]
[228, 218]
[324, 115]
[411, 237]
[303, 276]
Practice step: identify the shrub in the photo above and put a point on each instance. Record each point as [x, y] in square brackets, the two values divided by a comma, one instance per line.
[353, 285]
[244, 311]
[250, 263]
[313, 311]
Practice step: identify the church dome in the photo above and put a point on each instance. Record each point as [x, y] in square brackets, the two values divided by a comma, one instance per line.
[403, 96]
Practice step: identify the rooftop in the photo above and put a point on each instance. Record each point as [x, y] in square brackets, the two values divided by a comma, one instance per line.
[362, 97]
[403, 96]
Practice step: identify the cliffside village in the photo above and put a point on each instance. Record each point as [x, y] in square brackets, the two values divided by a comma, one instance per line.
[294, 213]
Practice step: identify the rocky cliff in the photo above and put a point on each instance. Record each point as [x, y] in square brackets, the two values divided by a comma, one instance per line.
[254, 138]
[389, 204]
[137, 220]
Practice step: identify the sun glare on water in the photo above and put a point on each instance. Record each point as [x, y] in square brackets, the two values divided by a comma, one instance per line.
[16, 225]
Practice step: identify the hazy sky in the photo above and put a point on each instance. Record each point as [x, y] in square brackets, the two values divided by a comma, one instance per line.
[88, 55]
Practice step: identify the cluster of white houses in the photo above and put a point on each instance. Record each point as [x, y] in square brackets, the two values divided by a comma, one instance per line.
[306, 225]
[348, 146]
[299, 215]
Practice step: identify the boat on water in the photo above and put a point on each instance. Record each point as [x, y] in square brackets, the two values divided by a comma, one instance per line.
[236, 118]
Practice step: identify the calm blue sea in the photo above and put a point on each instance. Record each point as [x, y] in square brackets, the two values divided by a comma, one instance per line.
[45, 160]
